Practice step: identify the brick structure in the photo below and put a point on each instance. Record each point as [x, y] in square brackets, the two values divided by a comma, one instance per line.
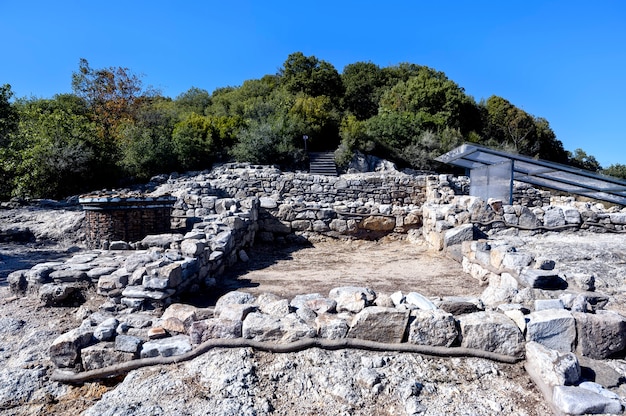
[129, 218]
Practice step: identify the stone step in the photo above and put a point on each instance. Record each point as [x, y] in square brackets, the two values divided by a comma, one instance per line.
[322, 163]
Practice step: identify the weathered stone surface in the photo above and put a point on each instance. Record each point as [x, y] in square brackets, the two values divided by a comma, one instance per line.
[542, 279]
[102, 355]
[186, 313]
[52, 294]
[173, 325]
[376, 323]
[279, 307]
[68, 275]
[192, 247]
[600, 335]
[166, 347]
[234, 297]
[106, 329]
[236, 311]
[378, 223]
[553, 217]
[457, 235]
[351, 298]
[65, 349]
[550, 367]
[300, 301]
[573, 400]
[419, 300]
[491, 331]
[432, 327]
[331, 326]
[542, 304]
[108, 283]
[261, 327]
[161, 240]
[212, 328]
[457, 305]
[321, 305]
[553, 328]
[127, 343]
[141, 292]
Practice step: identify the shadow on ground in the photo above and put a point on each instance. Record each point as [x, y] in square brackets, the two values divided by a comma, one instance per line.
[262, 256]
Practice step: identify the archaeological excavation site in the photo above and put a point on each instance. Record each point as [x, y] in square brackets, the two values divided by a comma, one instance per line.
[246, 290]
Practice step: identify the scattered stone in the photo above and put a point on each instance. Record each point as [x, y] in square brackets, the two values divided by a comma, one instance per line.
[549, 368]
[65, 349]
[166, 347]
[157, 332]
[352, 299]
[103, 354]
[331, 326]
[106, 330]
[127, 343]
[420, 301]
[542, 279]
[185, 313]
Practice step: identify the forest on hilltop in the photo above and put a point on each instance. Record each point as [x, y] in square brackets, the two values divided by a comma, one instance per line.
[112, 131]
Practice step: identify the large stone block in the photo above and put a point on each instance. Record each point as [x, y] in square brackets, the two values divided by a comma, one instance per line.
[600, 335]
[212, 328]
[378, 223]
[351, 298]
[432, 327]
[549, 368]
[261, 327]
[166, 347]
[491, 331]
[420, 301]
[542, 279]
[573, 400]
[234, 297]
[331, 326]
[65, 349]
[553, 328]
[102, 355]
[458, 234]
[380, 324]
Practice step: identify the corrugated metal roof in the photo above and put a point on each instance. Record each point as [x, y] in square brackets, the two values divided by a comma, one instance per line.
[541, 172]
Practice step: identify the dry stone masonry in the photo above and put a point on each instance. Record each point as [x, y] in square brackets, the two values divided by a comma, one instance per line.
[527, 309]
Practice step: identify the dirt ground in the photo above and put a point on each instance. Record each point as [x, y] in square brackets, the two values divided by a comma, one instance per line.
[385, 266]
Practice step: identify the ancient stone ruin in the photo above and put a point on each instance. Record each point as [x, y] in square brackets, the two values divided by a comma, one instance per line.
[528, 310]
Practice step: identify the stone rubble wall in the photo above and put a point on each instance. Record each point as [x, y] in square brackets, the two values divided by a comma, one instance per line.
[222, 213]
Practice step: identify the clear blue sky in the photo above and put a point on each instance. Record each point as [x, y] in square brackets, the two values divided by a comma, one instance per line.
[564, 60]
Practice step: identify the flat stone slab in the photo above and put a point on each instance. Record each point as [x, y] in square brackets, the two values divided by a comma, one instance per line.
[166, 347]
[542, 279]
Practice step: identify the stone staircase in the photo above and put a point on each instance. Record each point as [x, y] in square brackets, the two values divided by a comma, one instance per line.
[322, 163]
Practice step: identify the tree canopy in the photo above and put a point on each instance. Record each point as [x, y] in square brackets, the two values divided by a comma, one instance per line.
[112, 130]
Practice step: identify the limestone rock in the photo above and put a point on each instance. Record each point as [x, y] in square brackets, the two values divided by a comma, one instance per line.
[378, 223]
[127, 343]
[553, 328]
[65, 349]
[300, 301]
[459, 234]
[260, 327]
[212, 328]
[551, 368]
[600, 335]
[186, 313]
[376, 323]
[420, 301]
[102, 355]
[542, 279]
[52, 294]
[352, 299]
[573, 400]
[106, 329]
[432, 327]
[166, 347]
[234, 297]
[491, 331]
[331, 326]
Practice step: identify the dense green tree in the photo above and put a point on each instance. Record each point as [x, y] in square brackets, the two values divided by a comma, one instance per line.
[616, 170]
[364, 84]
[146, 142]
[57, 150]
[194, 100]
[582, 160]
[307, 74]
[9, 117]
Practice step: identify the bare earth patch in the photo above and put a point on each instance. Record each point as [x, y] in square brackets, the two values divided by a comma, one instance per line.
[385, 266]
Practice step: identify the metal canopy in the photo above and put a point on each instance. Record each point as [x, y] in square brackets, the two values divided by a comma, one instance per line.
[541, 172]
